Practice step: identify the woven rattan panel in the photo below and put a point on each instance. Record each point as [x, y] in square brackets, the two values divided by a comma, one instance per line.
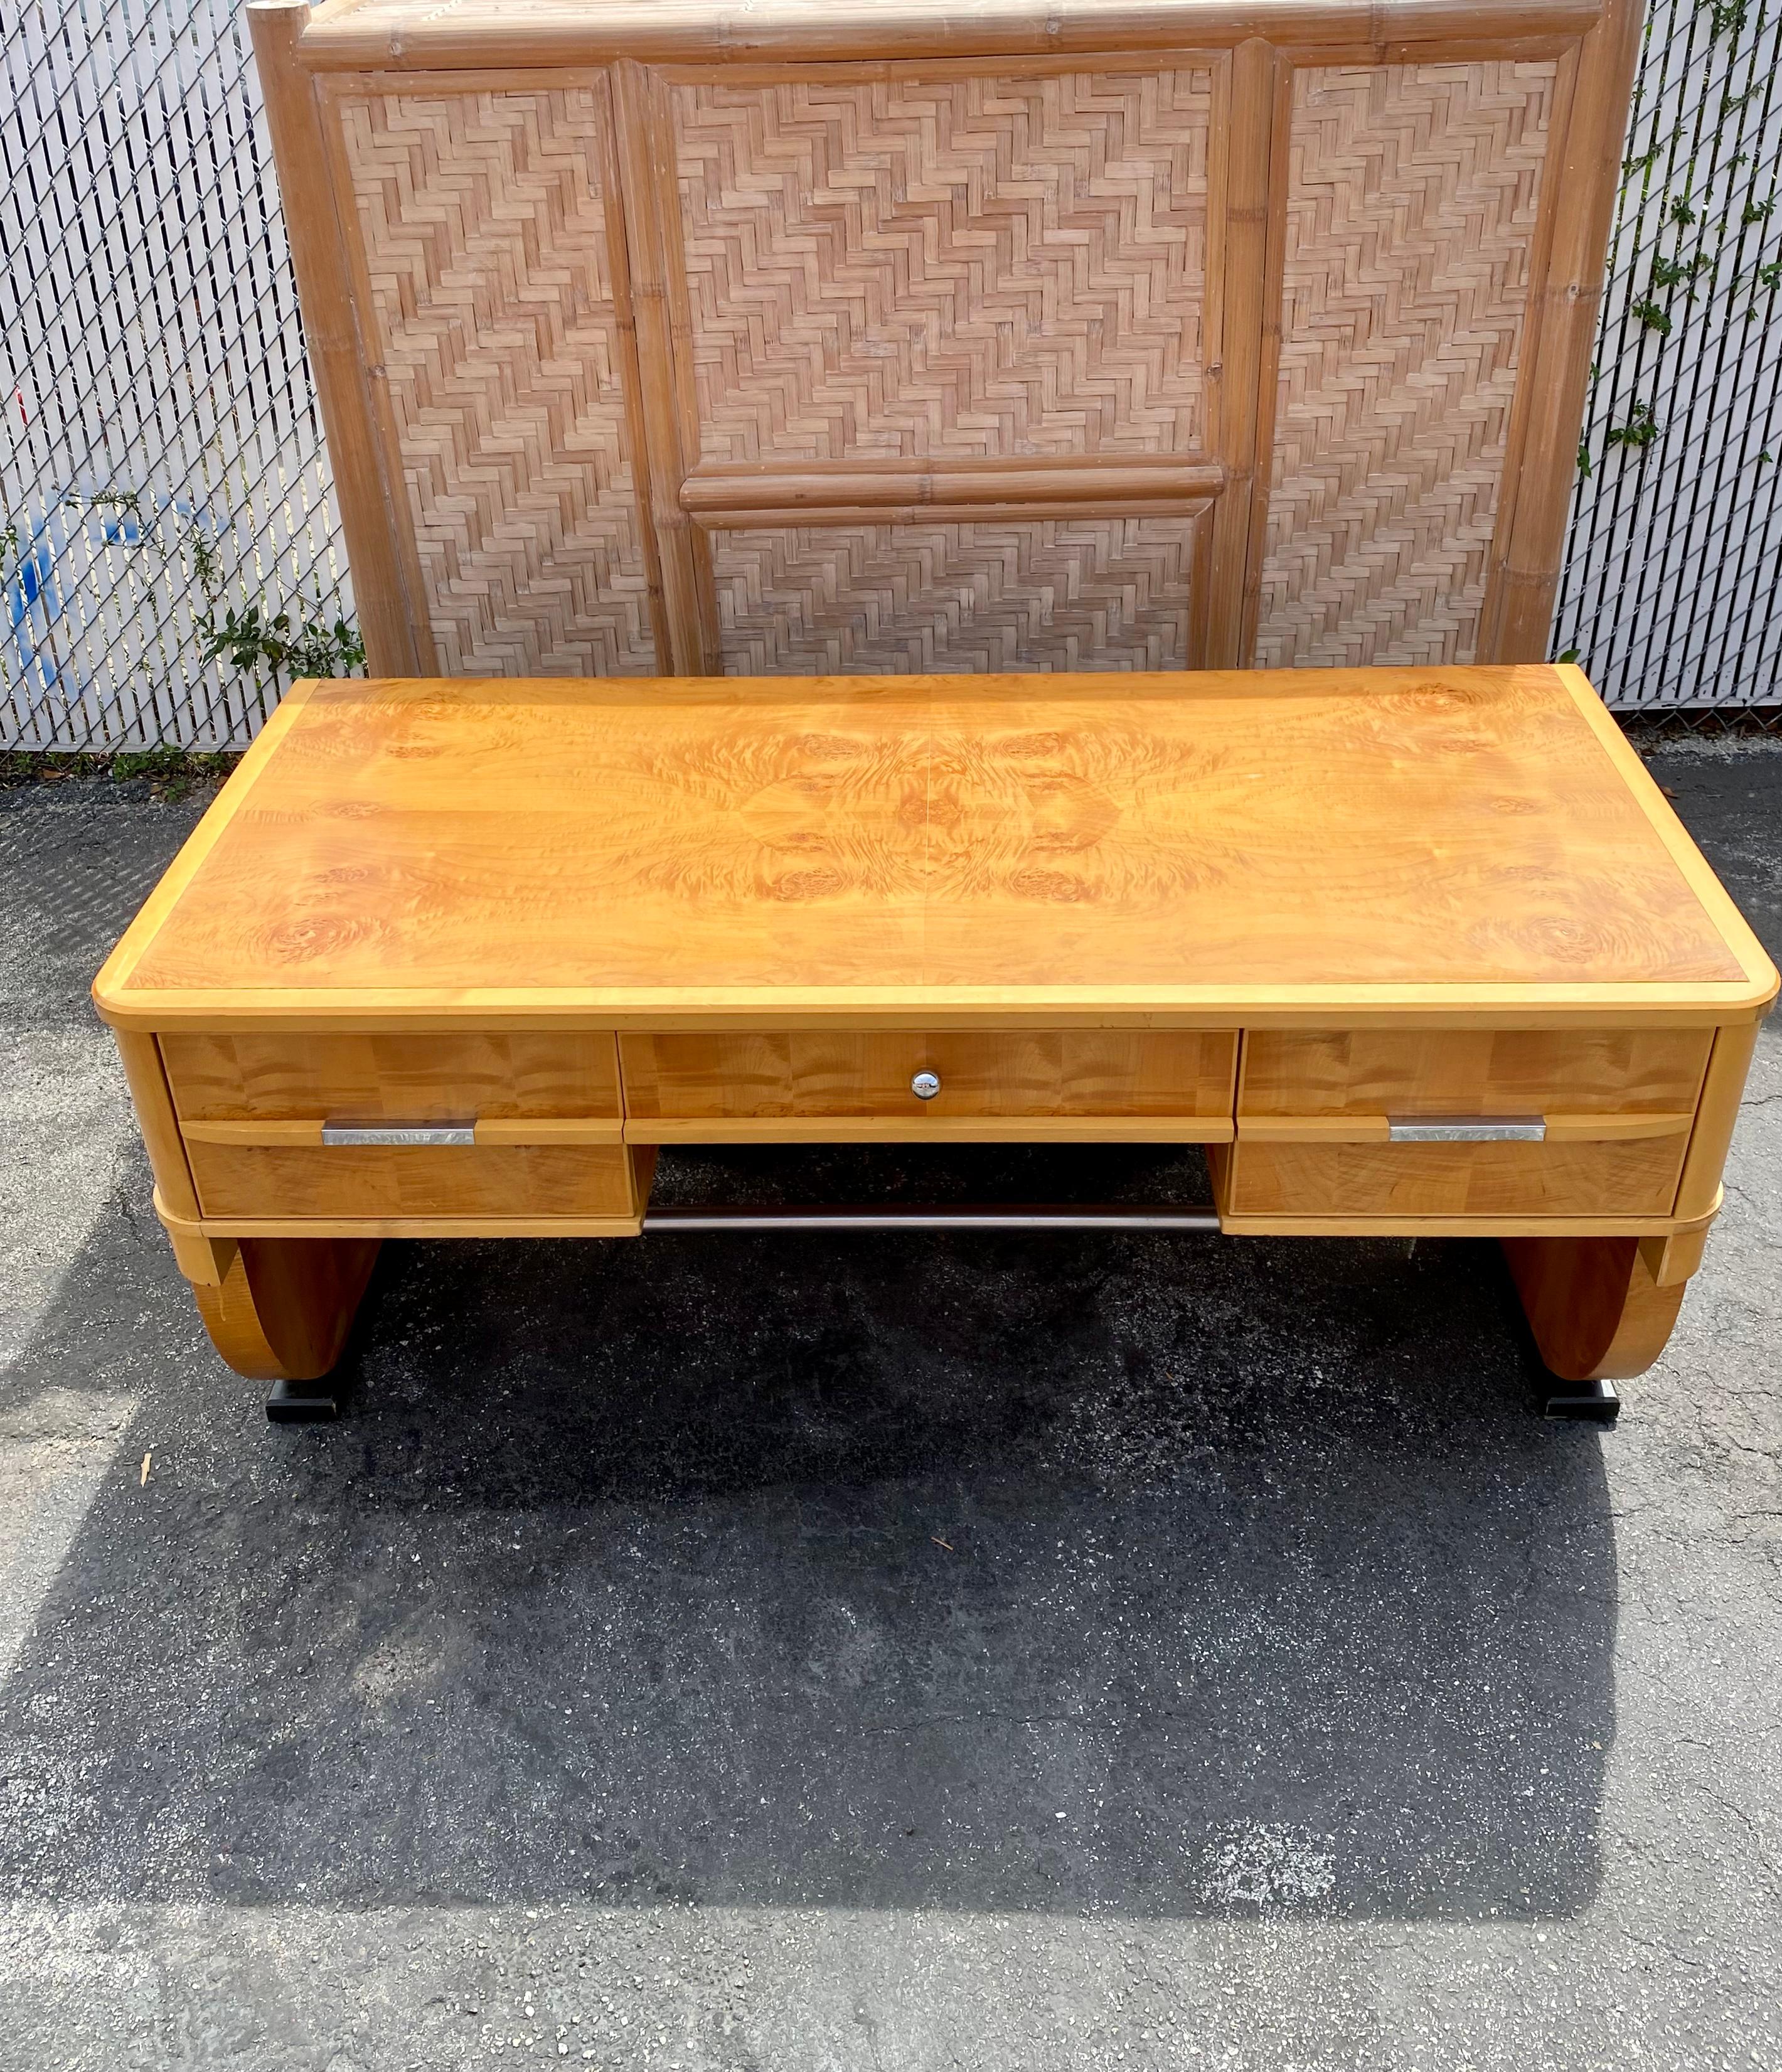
[1412, 202]
[1032, 594]
[945, 267]
[484, 222]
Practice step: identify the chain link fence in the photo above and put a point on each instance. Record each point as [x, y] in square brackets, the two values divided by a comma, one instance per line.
[163, 472]
[1669, 594]
[162, 459]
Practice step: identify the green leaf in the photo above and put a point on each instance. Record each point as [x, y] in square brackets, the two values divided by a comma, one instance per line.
[1638, 432]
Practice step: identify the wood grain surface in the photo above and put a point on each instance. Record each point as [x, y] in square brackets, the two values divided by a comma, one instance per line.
[283, 1308]
[1306, 1072]
[380, 1180]
[1716, 1116]
[1448, 837]
[1365, 1126]
[1593, 1304]
[1571, 1179]
[937, 1129]
[368, 1077]
[1051, 1073]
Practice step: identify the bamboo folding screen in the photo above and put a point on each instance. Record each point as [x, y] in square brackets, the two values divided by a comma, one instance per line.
[890, 335]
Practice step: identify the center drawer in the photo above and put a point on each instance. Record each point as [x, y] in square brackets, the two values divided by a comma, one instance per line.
[1160, 1086]
[293, 1125]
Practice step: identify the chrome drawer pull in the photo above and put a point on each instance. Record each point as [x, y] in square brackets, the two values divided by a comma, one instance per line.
[926, 1085]
[404, 1134]
[1466, 1129]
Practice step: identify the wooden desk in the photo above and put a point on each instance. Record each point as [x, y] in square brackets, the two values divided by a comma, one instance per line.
[1409, 950]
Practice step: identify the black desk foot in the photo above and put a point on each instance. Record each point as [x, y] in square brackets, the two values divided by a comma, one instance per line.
[301, 1403]
[1583, 1402]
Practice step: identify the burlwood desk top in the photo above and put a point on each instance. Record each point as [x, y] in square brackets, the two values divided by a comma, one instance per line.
[1163, 850]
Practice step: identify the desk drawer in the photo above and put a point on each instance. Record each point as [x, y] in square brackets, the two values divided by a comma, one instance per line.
[296, 1076]
[532, 1181]
[1595, 1123]
[1625, 1176]
[1473, 1072]
[1170, 1086]
[526, 1124]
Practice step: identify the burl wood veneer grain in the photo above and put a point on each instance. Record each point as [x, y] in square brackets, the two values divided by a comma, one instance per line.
[1423, 840]
[1082, 902]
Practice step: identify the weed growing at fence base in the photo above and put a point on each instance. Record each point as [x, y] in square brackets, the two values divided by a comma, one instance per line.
[173, 773]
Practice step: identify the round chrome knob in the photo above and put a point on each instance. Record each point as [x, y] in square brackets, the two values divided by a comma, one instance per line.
[926, 1085]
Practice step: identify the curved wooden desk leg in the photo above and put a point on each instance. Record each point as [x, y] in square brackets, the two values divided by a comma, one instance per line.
[1597, 1312]
[285, 1304]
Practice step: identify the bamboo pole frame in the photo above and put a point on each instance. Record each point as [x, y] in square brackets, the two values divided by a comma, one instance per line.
[1221, 493]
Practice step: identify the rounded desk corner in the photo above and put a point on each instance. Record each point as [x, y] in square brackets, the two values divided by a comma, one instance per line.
[114, 996]
[109, 1000]
[119, 1005]
[1735, 1002]
[1753, 1002]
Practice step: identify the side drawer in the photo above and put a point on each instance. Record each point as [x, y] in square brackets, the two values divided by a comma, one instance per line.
[1473, 1072]
[523, 1125]
[1561, 1122]
[1174, 1084]
[1629, 1177]
[529, 1181]
[296, 1076]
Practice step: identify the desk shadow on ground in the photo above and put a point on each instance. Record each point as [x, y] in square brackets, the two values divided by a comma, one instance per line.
[1168, 1575]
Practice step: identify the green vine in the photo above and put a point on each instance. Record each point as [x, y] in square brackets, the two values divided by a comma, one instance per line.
[309, 647]
[1638, 432]
[1695, 243]
[1680, 273]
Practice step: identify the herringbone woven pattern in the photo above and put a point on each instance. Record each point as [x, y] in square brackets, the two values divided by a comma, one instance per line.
[946, 266]
[1037, 594]
[1413, 199]
[483, 217]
